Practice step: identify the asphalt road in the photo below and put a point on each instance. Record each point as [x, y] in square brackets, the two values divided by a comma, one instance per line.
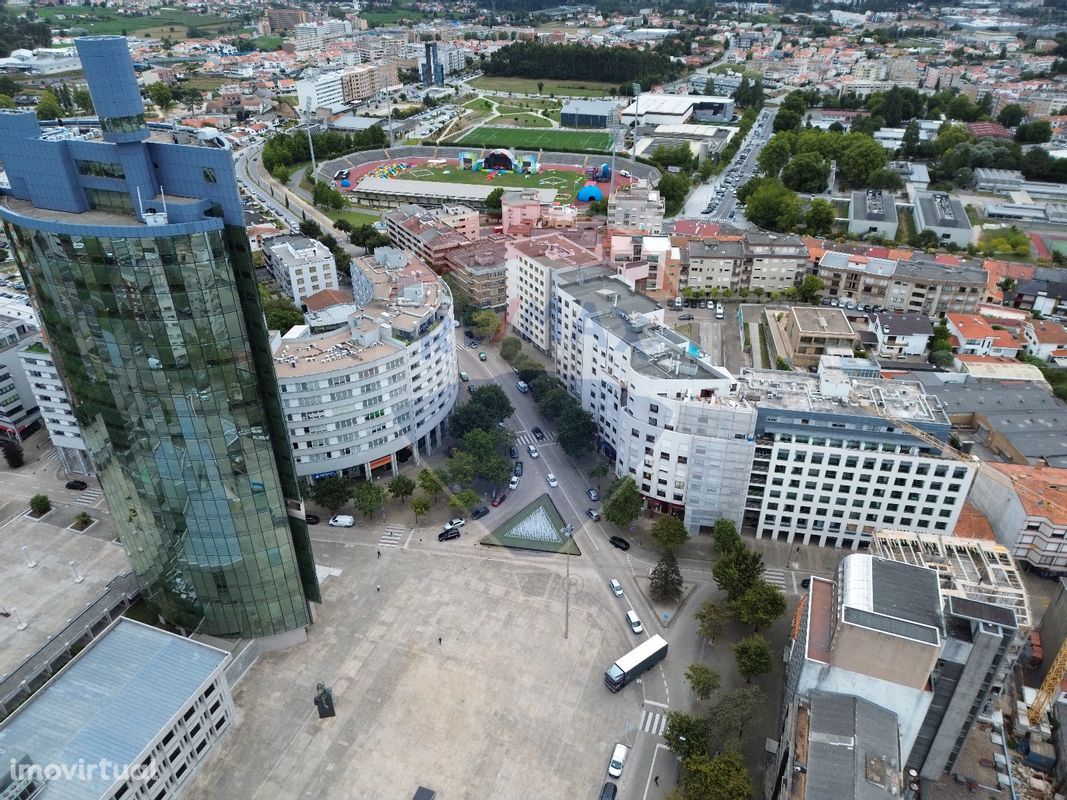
[715, 200]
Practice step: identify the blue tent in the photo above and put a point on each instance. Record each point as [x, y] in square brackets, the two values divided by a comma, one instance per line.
[346, 183]
[590, 194]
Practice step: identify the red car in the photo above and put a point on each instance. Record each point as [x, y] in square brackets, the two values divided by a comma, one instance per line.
[500, 498]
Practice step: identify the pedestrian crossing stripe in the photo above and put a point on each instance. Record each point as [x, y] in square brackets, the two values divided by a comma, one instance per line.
[391, 537]
[51, 455]
[529, 438]
[775, 577]
[88, 497]
[654, 723]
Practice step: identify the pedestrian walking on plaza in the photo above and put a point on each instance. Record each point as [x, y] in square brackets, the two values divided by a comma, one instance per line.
[379, 554]
[439, 640]
[379, 587]
[656, 780]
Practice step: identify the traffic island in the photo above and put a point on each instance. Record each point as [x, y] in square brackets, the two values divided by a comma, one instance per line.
[536, 526]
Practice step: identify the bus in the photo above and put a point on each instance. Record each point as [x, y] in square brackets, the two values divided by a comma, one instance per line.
[641, 658]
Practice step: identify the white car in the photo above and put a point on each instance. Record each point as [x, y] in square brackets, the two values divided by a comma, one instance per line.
[618, 760]
[342, 521]
[458, 522]
[514, 482]
[552, 480]
[532, 451]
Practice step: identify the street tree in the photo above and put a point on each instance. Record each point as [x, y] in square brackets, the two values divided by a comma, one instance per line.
[431, 484]
[712, 618]
[492, 201]
[160, 95]
[774, 206]
[369, 498]
[809, 289]
[577, 432]
[665, 583]
[819, 219]
[401, 487]
[623, 505]
[470, 416]
[48, 106]
[331, 493]
[465, 500]
[495, 402]
[510, 347]
[736, 570]
[719, 777]
[13, 453]
[556, 402]
[687, 734]
[774, 156]
[669, 532]
[598, 472]
[420, 505]
[496, 470]
[1011, 115]
[485, 323]
[703, 680]
[83, 100]
[861, 157]
[725, 536]
[484, 443]
[40, 505]
[760, 605]
[460, 469]
[733, 710]
[753, 657]
[806, 172]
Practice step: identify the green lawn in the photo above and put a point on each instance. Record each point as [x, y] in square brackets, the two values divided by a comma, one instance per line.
[354, 218]
[566, 183]
[563, 141]
[382, 19]
[207, 83]
[1056, 245]
[268, 44]
[521, 120]
[108, 21]
[529, 86]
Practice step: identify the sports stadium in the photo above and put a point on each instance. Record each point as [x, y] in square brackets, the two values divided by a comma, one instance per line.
[432, 176]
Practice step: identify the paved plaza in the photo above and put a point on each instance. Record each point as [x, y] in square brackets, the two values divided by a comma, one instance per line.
[503, 706]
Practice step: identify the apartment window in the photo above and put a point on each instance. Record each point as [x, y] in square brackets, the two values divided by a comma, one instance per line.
[209, 175]
[109, 201]
[649, 437]
[665, 456]
[649, 451]
[683, 460]
[100, 169]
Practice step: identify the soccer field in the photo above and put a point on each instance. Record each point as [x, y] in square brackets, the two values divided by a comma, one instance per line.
[526, 139]
[566, 183]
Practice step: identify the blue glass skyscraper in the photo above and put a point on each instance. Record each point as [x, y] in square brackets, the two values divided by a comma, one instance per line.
[135, 250]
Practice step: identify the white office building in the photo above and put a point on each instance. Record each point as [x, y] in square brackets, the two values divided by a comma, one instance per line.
[322, 91]
[636, 209]
[134, 716]
[301, 266]
[665, 414]
[833, 463]
[378, 391]
[51, 398]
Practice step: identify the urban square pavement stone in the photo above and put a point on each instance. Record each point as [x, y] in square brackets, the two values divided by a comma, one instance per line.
[503, 707]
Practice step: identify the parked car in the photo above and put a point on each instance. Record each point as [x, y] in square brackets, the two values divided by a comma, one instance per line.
[593, 514]
[618, 760]
[616, 587]
[458, 522]
[500, 498]
[444, 536]
[480, 512]
[463, 376]
[806, 583]
[552, 480]
[513, 452]
[592, 494]
[469, 334]
[532, 451]
[518, 468]
[619, 542]
[609, 791]
[481, 356]
[685, 317]
[514, 482]
[634, 622]
[77, 485]
[312, 519]
[538, 434]
[342, 521]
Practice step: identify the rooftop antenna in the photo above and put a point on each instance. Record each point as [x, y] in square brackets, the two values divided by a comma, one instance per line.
[164, 197]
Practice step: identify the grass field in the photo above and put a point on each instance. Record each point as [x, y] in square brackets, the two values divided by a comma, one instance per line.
[529, 86]
[522, 120]
[99, 21]
[379, 19]
[565, 183]
[354, 218]
[525, 139]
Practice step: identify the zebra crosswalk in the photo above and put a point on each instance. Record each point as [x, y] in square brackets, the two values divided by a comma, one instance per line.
[88, 497]
[392, 537]
[51, 455]
[654, 722]
[528, 438]
[775, 577]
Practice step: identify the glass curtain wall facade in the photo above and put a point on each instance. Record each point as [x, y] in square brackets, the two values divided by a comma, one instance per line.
[159, 333]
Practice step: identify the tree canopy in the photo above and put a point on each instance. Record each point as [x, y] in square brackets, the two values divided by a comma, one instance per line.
[623, 503]
[581, 62]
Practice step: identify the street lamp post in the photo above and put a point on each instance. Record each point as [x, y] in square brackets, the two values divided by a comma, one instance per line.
[19, 624]
[30, 563]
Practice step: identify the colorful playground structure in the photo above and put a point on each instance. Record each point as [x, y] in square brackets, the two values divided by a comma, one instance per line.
[599, 174]
[500, 161]
[389, 170]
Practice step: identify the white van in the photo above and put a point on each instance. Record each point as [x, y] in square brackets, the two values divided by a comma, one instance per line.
[634, 622]
[618, 760]
[522, 386]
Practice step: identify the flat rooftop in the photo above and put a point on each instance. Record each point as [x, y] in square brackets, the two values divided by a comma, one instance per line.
[822, 321]
[975, 569]
[799, 391]
[110, 702]
[46, 597]
[557, 251]
[873, 205]
[892, 597]
[654, 350]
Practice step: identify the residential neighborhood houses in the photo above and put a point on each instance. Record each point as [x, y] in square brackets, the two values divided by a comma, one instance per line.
[714, 348]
